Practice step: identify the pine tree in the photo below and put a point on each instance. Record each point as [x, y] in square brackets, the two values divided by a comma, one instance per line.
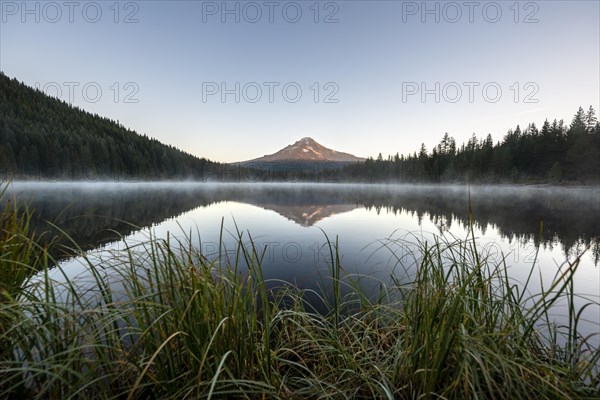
[423, 152]
[579, 125]
[590, 120]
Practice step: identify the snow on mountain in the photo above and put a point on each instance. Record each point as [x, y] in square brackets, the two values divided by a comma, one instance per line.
[307, 149]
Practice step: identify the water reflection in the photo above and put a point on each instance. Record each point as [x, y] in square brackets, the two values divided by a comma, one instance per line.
[308, 215]
[95, 214]
[377, 227]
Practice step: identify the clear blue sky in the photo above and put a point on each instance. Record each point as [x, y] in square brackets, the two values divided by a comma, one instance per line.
[174, 52]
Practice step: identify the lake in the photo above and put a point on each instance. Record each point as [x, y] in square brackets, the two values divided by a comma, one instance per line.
[377, 226]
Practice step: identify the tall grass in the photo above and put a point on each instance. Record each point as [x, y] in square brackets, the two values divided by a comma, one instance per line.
[20, 256]
[178, 325]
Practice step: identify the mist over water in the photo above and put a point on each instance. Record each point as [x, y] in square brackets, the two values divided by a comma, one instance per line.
[88, 211]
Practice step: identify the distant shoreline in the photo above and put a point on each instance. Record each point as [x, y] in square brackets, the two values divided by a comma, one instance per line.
[122, 183]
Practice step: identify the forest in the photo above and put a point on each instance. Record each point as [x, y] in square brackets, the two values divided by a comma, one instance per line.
[556, 153]
[43, 138]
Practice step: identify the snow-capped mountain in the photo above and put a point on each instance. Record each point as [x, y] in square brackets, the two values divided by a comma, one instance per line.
[307, 149]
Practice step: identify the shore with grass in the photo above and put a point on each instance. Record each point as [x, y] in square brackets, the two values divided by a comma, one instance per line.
[181, 325]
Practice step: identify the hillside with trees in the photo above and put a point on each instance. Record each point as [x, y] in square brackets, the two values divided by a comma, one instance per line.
[43, 138]
[47, 139]
[556, 153]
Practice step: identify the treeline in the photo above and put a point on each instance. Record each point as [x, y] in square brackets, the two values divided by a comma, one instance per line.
[45, 138]
[555, 153]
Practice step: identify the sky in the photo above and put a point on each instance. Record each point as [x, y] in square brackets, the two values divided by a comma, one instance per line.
[235, 80]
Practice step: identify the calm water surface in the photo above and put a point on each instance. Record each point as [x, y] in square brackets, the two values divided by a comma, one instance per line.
[377, 226]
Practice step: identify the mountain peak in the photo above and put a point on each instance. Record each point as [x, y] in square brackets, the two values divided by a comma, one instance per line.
[307, 149]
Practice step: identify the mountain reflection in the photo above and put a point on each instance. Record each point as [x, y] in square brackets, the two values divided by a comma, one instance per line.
[308, 214]
[96, 214]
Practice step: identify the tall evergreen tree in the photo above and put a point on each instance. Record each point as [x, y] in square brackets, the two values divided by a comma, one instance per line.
[590, 120]
[579, 123]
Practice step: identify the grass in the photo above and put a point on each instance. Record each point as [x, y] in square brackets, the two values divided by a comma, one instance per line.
[179, 325]
[20, 256]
